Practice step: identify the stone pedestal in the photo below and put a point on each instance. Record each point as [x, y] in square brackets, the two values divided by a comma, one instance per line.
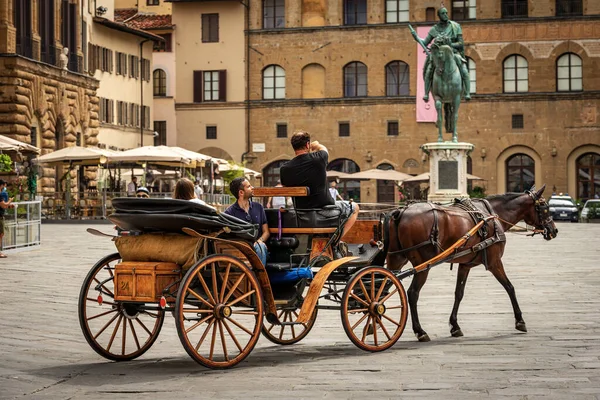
[447, 170]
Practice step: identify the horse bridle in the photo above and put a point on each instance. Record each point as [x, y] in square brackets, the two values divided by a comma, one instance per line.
[544, 218]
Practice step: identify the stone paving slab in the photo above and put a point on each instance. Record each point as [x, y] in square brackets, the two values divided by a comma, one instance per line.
[44, 355]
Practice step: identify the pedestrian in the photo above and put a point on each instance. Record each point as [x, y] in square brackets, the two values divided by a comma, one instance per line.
[132, 187]
[5, 202]
[335, 195]
[278, 201]
[198, 189]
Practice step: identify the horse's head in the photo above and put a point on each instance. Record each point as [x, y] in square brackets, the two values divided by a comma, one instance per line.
[539, 215]
[441, 51]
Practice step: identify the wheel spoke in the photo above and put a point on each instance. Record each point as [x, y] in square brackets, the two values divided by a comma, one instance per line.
[143, 326]
[196, 295]
[362, 287]
[103, 302]
[232, 336]
[214, 282]
[105, 288]
[394, 307]
[106, 326]
[355, 297]
[225, 280]
[381, 289]
[205, 287]
[383, 328]
[292, 327]
[196, 311]
[358, 310]
[214, 339]
[391, 320]
[388, 296]
[135, 338]
[366, 329]
[245, 312]
[223, 340]
[197, 324]
[373, 286]
[235, 285]
[204, 334]
[233, 321]
[112, 338]
[102, 314]
[279, 318]
[124, 338]
[359, 321]
[250, 293]
[374, 331]
[283, 326]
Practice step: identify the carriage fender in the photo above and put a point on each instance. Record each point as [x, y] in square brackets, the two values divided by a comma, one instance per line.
[316, 286]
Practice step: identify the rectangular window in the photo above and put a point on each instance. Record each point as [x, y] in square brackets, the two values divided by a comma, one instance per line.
[146, 112]
[210, 28]
[392, 128]
[396, 11]
[145, 70]
[119, 112]
[514, 9]
[163, 46]
[210, 86]
[281, 130]
[273, 14]
[211, 132]
[355, 12]
[344, 129]
[517, 121]
[464, 9]
[152, 2]
[568, 8]
[33, 136]
[160, 128]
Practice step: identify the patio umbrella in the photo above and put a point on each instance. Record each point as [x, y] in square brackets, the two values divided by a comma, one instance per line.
[153, 154]
[230, 167]
[192, 155]
[337, 174]
[379, 174]
[424, 177]
[8, 144]
[77, 155]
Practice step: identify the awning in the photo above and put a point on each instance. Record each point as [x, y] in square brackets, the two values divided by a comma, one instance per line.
[337, 174]
[77, 155]
[153, 154]
[8, 144]
[380, 175]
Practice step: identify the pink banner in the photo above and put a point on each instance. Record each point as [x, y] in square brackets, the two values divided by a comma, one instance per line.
[425, 111]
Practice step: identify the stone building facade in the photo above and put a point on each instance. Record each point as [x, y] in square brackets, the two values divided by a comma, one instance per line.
[346, 71]
[41, 103]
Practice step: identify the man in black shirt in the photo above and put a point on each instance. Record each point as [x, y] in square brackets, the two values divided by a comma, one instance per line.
[308, 168]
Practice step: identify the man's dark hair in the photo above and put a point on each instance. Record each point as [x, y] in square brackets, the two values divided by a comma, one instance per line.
[2, 182]
[299, 140]
[236, 185]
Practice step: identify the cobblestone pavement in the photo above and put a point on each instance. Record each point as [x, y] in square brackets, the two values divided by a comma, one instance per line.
[43, 353]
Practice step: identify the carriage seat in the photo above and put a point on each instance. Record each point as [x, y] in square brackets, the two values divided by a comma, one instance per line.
[326, 217]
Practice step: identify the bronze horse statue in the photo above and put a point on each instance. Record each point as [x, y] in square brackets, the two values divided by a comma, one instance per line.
[422, 230]
[447, 86]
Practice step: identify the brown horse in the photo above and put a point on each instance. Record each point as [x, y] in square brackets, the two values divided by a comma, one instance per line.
[423, 230]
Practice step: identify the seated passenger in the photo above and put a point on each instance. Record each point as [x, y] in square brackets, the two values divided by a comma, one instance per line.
[247, 210]
[184, 190]
[142, 192]
[308, 168]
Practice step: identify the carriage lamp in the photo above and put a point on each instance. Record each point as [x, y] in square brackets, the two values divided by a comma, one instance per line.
[483, 153]
[553, 152]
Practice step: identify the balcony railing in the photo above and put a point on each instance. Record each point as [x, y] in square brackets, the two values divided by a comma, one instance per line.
[514, 9]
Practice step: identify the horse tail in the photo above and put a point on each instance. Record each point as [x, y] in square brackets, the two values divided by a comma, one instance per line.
[449, 117]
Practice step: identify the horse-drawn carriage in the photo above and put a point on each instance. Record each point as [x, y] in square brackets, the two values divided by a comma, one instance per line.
[185, 258]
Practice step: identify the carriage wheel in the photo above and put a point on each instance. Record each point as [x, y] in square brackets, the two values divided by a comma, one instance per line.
[219, 311]
[288, 334]
[374, 309]
[116, 330]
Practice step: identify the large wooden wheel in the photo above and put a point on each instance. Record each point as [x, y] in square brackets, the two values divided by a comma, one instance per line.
[288, 334]
[117, 331]
[219, 311]
[374, 309]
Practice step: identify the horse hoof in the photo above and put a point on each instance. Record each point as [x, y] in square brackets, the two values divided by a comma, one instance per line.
[423, 338]
[520, 326]
[457, 333]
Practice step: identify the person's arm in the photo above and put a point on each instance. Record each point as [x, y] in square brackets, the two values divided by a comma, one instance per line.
[316, 146]
[265, 234]
[6, 204]
[339, 196]
[269, 202]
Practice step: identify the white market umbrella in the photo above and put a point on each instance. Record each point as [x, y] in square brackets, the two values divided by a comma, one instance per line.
[152, 154]
[424, 177]
[8, 144]
[77, 155]
[379, 174]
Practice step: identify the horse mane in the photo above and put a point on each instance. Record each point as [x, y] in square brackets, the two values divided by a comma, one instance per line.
[505, 197]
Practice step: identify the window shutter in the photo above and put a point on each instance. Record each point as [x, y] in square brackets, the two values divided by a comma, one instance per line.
[110, 61]
[205, 28]
[223, 85]
[215, 25]
[197, 86]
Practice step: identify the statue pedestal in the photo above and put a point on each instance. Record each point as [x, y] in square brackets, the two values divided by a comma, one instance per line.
[447, 170]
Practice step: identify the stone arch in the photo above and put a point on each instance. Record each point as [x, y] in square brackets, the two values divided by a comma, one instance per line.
[216, 152]
[569, 46]
[514, 48]
[506, 154]
[270, 172]
[313, 81]
[572, 164]
[473, 52]
[314, 12]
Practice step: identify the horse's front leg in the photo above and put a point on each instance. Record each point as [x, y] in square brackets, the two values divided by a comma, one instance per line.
[461, 281]
[413, 297]
[438, 108]
[454, 130]
[497, 269]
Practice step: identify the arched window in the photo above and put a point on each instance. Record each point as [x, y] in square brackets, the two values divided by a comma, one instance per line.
[348, 189]
[273, 14]
[271, 172]
[569, 77]
[160, 82]
[588, 176]
[385, 189]
[273, 82]
[355, 79]
[397, 79]
[520, 173]
[515, 74]
[472, 74]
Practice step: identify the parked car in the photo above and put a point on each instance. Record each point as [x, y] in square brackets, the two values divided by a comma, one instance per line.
[591, 210]
[563, 208]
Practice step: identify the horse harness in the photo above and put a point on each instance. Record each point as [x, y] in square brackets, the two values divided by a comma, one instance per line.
[477, 214]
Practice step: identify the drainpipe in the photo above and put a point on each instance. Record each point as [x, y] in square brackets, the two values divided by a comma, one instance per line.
[142, 116]
[247, 23]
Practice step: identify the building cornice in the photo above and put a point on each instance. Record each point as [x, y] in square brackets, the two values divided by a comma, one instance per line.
[118, 26]
[233, 105]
